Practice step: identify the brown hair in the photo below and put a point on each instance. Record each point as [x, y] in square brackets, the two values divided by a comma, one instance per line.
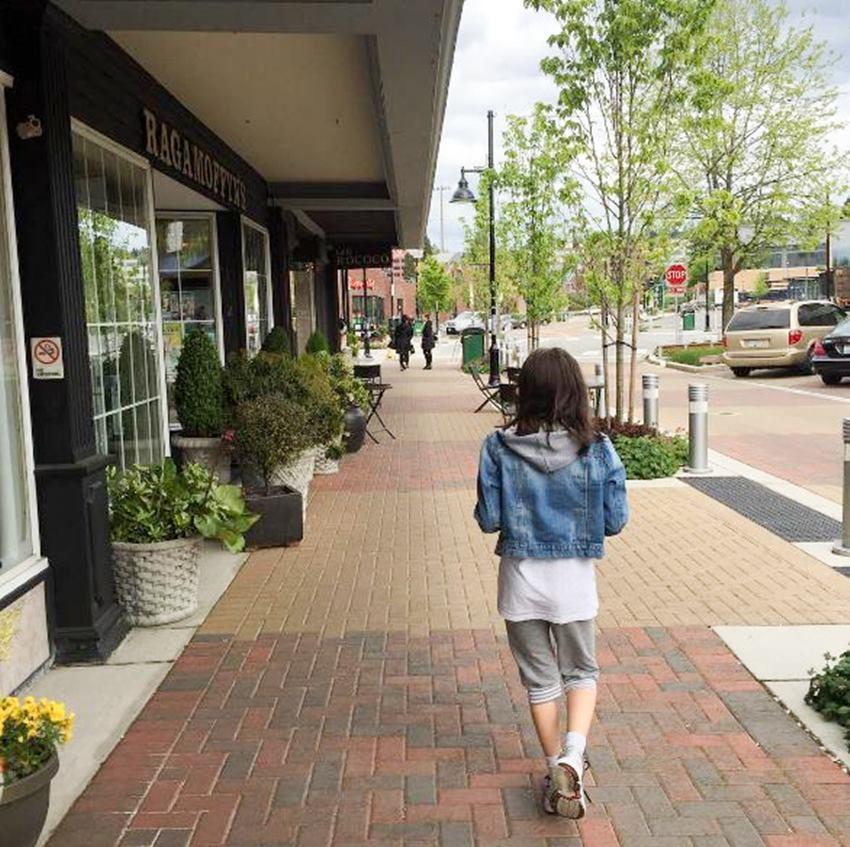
[552, 394]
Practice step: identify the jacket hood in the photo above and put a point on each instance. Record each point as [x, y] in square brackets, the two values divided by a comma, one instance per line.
[546, 451]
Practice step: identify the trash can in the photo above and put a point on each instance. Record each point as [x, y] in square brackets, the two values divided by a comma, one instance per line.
[688, 320]
[472, 344]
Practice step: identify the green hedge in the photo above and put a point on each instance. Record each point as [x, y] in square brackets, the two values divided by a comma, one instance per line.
[691, 355]
[829, 691]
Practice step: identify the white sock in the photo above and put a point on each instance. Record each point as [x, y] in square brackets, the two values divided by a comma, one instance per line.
[575, 743]
[552, 762]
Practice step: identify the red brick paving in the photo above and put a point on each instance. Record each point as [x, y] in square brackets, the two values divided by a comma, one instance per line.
[385, 739]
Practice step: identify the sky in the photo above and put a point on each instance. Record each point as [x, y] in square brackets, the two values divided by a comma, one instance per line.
[497, 66]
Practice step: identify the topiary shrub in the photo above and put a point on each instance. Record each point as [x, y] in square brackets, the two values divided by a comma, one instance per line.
[317, 343]
[270, 431]
[829, 691]
[262, 375]
[198, 387]
[324, 409]
[349, 390]
[277, 341]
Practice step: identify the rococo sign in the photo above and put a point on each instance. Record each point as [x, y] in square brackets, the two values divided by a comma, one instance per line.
[348, 258]
[170, 147]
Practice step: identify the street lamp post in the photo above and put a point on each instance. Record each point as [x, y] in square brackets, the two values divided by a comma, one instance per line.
[464, 194]
[707, 301]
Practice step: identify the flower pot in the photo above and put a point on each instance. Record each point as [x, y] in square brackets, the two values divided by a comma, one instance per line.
[156, 583]
[324, 465]
[355, 428]
[24, 804]
[297, 475]
[281, 518]
[209, 452]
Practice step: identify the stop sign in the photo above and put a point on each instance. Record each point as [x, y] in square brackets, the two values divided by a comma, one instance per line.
[676, 277]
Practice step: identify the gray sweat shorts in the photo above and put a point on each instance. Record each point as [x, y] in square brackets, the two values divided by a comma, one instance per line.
[554, 657]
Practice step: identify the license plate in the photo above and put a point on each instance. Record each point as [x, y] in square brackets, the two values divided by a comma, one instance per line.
[846, 349]
[756, 342]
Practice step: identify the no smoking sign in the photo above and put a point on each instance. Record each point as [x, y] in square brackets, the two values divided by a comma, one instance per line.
[47, 362]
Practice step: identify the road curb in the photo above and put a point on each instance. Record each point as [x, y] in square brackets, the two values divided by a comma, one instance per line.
[677, 366]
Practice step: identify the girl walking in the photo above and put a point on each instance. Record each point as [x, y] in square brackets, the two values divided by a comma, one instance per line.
[553, 488]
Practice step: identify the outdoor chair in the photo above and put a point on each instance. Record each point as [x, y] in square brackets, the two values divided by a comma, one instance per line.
[370, 376]
[490, 392]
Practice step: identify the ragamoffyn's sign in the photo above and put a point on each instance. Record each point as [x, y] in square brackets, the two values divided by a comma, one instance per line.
[170, 147]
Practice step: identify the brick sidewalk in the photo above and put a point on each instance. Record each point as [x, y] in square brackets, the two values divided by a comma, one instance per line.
[357, 690]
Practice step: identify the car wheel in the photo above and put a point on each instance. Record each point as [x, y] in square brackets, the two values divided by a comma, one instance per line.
[741, 372]
[806, 366]
[830, 379]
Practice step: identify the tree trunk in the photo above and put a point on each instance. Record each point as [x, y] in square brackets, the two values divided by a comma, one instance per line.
[728, 287]
[606, 391]
[633, 358]
[620, 372]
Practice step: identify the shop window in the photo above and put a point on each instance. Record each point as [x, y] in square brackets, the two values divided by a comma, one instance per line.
[258, 297]
[15, 525]
[113, 207]
[188, 286]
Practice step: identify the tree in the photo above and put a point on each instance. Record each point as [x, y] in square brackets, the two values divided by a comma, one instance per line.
[410, 268]
[533, 222]
[757, 114]
[434, 290]
[618, 66]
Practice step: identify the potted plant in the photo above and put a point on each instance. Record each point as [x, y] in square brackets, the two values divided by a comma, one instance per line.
[317, 343]
[270, 432]
[328, 461]
[30, 732]
[277, 341]
[354, 399]
[325, 408]
[199, 399]
[157, 516]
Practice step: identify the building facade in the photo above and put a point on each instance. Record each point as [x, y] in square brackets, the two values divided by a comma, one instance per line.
[158, 173]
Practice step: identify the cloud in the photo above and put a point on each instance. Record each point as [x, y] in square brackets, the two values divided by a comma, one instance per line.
[497, 66]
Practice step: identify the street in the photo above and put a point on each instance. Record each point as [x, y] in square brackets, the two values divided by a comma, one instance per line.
[782, 422]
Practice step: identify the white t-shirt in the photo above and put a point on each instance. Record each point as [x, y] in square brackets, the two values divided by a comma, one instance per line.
[554, 590]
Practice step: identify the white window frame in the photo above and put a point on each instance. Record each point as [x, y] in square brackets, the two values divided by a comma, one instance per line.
[104, 141]
[13, 577]
[171, 215]
[245, 221]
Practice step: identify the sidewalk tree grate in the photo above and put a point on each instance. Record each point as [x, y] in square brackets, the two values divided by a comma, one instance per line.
[779, 514]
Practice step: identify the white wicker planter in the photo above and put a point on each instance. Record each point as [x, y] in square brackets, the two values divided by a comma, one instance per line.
[297, 474]
[324, 465]
[208, 452]
[156, 583]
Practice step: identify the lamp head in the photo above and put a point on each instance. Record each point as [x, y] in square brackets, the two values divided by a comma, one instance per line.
[463, 193]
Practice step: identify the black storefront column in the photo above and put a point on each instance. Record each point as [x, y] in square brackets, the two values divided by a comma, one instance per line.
[279, 249]
[229, 226]
[70, 476]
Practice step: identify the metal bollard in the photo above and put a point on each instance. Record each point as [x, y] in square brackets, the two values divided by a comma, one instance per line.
[599, 375]
[698, 429]
[650, 400]
[842, 546]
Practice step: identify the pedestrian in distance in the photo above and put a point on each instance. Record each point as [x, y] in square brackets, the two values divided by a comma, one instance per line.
[553, 488]
[403, 341]
[428, 342]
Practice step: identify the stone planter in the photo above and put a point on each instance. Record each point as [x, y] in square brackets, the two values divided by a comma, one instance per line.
[24, 804]
[324, 465]
[156, 583]
[209, 452]
[281, 518]
[355, 429]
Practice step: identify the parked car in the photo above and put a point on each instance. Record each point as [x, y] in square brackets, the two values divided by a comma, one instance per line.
[831, 355]
[777, 335]
[506, 322]
[465, 320]
[519, 321]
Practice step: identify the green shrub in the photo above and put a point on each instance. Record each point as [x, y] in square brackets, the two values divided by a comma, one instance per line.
[651, 456]
[829, 691]
[317, 343]
[151, 503]
[199, 387]
[348, 388]
[322, 404]
[352, 339]
[265, 374]
[691, 355]
[270, 431]
[277, 341]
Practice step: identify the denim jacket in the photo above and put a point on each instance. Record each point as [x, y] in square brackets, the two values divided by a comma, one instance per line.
[547, 500]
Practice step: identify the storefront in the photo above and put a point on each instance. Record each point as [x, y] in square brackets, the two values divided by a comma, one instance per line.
[154, 182]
